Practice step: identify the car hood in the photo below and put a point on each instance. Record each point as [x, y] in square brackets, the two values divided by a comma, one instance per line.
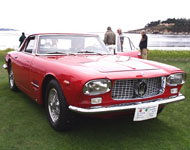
[118, 64]
[105, 64]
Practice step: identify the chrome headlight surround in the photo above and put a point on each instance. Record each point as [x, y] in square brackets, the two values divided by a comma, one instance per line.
[176, 79]
[96, 87]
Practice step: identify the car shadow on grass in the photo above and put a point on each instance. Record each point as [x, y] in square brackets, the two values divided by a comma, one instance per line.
[115, 124]
[94, 133]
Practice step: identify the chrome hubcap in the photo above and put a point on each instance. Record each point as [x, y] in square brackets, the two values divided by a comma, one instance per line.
[11, 78]
[53, 105]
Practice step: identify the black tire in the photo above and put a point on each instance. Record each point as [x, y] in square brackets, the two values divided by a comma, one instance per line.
[12, 84]
[58, 113]
[160, 110]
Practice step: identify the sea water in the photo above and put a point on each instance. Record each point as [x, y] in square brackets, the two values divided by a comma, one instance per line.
[164, 42]
[10, 39]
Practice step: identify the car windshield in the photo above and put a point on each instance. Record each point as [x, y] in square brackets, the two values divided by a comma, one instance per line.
[71, 44]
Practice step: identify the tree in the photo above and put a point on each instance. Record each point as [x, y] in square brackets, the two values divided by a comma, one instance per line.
[177, 25]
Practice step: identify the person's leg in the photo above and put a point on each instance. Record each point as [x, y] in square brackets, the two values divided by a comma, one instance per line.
[144, 53]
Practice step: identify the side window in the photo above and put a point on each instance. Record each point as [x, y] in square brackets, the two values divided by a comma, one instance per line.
[30, 45]
[126, 45]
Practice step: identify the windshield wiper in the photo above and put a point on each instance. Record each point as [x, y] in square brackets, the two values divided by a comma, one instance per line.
[89, 52]
[62, 53]
[57, 53]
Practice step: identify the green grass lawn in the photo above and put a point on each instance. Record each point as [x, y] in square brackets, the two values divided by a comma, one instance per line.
[23, 124]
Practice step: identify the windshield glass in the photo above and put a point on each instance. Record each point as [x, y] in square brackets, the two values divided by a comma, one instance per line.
[71, 44]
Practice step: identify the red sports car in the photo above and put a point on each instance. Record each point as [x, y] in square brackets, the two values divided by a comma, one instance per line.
[76, 73]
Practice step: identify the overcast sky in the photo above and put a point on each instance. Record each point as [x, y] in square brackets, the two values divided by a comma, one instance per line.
[34, 16]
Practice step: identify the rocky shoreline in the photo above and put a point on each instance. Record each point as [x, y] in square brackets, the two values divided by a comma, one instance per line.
[7, 29]
[150, 31]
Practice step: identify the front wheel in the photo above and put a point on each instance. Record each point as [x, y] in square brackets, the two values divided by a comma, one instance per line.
[12, 84]
[59, 116]
[160, 110]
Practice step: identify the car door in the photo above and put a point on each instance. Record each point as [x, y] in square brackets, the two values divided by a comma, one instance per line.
[24, 62]
[127, 48]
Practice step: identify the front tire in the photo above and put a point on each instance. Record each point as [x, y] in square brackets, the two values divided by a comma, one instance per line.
[160, 110]
[59, 116]
[12, 84]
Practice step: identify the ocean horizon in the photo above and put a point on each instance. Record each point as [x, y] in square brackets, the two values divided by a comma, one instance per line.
[10, 39]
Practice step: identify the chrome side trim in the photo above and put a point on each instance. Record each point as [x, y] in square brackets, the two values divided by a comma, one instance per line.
[5, 66]
[126, 107]
[35, 85]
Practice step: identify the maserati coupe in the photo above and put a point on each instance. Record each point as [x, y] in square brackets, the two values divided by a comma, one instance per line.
[73, 74]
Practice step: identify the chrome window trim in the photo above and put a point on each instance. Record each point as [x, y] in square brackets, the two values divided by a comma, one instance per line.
[35, 46]
[133, 48]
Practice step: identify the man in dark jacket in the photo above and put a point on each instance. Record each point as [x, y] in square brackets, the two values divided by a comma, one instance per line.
[109, 37]
[143, 45]
[22, 38]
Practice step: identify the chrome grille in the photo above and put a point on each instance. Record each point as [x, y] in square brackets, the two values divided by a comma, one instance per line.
[125, 89]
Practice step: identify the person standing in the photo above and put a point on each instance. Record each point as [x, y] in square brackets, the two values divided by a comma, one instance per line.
[22, 38]
[120, 38]
[109, 37]
[143, 45]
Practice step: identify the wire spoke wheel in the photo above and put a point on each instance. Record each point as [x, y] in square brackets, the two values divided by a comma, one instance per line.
[11, 78]
[58, 114]
[54, 105]
[12, 84]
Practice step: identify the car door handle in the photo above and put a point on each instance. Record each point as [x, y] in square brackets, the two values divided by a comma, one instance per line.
[16, 57]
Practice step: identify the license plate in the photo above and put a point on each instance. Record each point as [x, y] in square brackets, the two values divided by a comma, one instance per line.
[145, 112]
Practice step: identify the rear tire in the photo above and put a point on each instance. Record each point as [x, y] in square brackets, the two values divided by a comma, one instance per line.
[12, 84]
[58, 113]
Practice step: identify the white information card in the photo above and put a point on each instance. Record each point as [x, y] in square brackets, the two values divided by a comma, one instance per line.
[145, 112]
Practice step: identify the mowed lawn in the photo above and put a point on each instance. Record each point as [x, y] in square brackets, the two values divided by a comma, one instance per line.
[23, 124]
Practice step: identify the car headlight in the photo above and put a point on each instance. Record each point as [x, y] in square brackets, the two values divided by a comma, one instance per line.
[176, 79]
[96, 87]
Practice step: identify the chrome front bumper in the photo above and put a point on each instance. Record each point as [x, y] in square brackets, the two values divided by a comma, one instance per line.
[125, 107]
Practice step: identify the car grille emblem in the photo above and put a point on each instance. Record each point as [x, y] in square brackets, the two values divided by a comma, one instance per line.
[141, 88]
